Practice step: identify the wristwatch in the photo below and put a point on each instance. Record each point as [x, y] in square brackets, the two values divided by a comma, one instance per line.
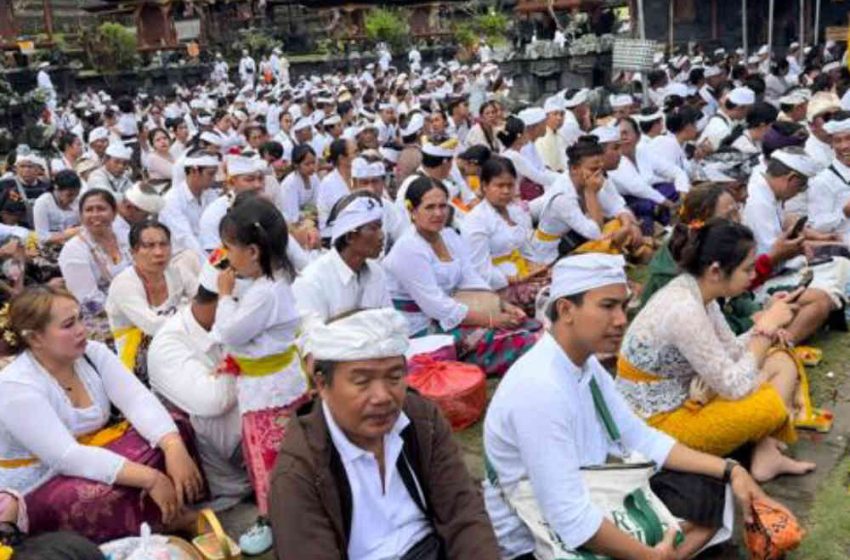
[727, 471]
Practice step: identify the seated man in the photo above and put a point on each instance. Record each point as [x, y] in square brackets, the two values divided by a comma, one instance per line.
[370, 470]
[829, 196]
[182, 367]
[542, 427]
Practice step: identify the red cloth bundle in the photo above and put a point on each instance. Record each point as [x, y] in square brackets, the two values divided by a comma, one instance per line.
[459, 389]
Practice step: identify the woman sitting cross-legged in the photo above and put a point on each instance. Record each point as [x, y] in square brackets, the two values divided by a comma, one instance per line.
[73, 468]
[683, 370]
[427, 268]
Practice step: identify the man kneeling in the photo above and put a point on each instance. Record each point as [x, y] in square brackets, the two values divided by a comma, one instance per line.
[371, 470]
[543, 427]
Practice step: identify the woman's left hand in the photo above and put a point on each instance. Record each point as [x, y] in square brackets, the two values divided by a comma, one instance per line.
[182, 470]
[512, 309]
[226, 282]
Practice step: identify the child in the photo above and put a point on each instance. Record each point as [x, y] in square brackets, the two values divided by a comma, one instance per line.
[259, 332]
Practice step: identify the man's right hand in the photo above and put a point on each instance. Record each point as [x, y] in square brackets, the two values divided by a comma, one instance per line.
[784, 248]
[846, 210]
[666, 549]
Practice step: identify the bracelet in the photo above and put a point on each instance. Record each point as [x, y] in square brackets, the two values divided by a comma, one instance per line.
[761, 331]
[727, 470]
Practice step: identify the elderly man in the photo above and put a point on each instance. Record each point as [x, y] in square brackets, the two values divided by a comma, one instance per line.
[113, 176]
[98, 142]
[733, 111]
[28, 178]
[546, 422]
[370, 470]
[552, 146]
[819, 143]
[829, 195]
[182, 364]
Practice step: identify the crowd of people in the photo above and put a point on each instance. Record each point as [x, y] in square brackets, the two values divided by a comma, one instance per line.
[210, 297]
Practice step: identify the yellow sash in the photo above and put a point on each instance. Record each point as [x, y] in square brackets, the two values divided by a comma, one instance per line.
[515, 258]
[546, 237]
[267, 365]
[460, 205]
[130, 339]
[603, 245]
[5, 552]
[100, 438]
[627, 371]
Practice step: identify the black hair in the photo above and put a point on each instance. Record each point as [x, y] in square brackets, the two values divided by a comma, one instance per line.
[486, 104]
[344, 107]
[656, 78]
[495, 166]
[67, 180]
[300, 153]
[65, 140]
[254, 220]
[477, 154]
[762, 113]
[430, 162]
[453, 102]
[107, 196]
[514, 129]
[337, 150]
[341, 243]
[125, 105]
[175, 123]
[153, 132]
[139, 228]
[420, 187]
[585, 147]
[552, 311]
[633, 124]
[204, 296]
[271, 148]
[720, 241]
[677, 120]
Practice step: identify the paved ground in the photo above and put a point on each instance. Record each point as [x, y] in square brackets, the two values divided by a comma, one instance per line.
[821, 499]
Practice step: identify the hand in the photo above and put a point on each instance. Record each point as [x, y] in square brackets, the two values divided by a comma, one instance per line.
[505, 320]
[11, 248]
[746, 490]
[70, 233]
[784, 248]
[164, 496]
[594, 181]
[226, 282]
[183, 471]
[666, 549]
[777, 315]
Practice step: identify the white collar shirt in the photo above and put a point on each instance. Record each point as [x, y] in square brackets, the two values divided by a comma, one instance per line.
[182, 214]
[828, 194]
[820, 151]
[385, 520]
[542, 426]
[762, 213]
[328, 287]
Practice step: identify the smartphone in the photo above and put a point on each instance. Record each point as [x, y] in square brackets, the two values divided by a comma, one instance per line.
[798, 227]
[805, 281]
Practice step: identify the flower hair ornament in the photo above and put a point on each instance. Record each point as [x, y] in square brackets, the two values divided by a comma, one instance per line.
[696, 225]
[6, 332]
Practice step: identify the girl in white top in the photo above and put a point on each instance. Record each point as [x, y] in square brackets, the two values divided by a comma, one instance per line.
[56, 215]
[259, 332]
[70, 384]
[518, 138]
[158, 161]
[498, 231]
[144, 296]
[91, 259]
[429, 264]
[337, 183]
[300, 188]
[180, 146]
[484, 131]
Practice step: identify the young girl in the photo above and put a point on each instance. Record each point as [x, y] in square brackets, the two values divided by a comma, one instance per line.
[259, 332]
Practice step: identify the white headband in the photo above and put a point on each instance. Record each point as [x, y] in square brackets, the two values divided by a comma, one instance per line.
[837, 127]
[607, 134]
[362, 169]
[581, 273]
[370, 334]
[800, 162]
[359, 212]
[204, 160]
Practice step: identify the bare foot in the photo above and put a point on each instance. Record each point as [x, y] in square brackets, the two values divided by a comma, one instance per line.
[769, 462]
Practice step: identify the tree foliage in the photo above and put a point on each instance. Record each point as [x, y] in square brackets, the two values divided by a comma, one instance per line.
[112, 48]
[383, 24]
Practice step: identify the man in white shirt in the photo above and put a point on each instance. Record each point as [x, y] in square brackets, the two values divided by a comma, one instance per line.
[183, 362]
[186, 201]
[347, 277]
[542, 426]
[243, 175]
[393, 484]
[819, 143]
[386, 124]
[45, 84]
[576, 115]
[733, 111]
[829, 193]
[247, 70]
[552, 146]
[114, 175]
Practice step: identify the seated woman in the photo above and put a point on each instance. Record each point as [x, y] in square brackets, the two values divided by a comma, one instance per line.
[143, 296]
[72, 469]
[158, 161]
[498, 232]
[712, 200]
[91, 259]
[518, 137]
[582, 211]
[297, 192]
[428, 265]
[55, 213]
[683, 370]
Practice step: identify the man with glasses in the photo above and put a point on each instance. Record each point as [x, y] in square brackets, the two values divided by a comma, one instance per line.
[114, 175]
[822, 107]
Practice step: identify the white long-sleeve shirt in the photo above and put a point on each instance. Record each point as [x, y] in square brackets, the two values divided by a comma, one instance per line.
[629, 182]
[294, 194]
[828, 194]
[182, 214]
[331, 189]
[489, 236]
[542, 426]
[415, 273]
[762, 213]
[820, 151]
[662, 160]
[328, 288]
[526, 169]
[84, 276]
[49, 218]
[262, 323]
[26, 387]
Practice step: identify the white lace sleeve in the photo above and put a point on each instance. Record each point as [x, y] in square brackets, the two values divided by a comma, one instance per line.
[707, 348]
